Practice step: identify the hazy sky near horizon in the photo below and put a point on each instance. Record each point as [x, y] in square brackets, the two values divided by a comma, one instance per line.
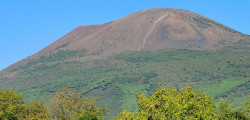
[27, 26]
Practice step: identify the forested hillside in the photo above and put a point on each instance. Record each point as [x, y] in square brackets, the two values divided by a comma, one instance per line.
[116, 79]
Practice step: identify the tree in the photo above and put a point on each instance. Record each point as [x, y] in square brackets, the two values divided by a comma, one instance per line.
[225, 112]
[247, 108]
[70, 104]
[125, 116]
[89, 117]
[11, 105]
[35, 111]
[172, 104]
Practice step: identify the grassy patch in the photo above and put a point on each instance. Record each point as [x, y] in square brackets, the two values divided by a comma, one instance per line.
[220, 87]
[129, 95]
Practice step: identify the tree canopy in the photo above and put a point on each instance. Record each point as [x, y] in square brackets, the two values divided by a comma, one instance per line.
[13, 107]
[70, 104]
[66, 104]
[185, 104]
[163, 104]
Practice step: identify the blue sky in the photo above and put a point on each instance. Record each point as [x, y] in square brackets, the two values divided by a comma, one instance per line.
[27, 26]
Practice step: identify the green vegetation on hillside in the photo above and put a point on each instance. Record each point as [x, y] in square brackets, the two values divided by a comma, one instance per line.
[116, 79]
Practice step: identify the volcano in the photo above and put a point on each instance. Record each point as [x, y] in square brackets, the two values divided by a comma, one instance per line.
[153, 29]
[116, 60]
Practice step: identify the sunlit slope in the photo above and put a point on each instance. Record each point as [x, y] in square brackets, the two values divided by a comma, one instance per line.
[116, 79]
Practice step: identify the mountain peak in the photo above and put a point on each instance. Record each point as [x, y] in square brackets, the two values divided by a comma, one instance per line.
[153, 29]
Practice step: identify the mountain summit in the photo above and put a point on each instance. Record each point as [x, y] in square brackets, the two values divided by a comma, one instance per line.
[153, 29]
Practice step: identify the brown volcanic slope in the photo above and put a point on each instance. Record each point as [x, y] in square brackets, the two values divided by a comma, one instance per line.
[158, 28]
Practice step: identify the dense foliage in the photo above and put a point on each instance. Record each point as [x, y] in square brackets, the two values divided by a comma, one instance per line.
[69, 104]
[66, 104]
[163, 104]
[185, 104]
[225, 112]
[13, 107]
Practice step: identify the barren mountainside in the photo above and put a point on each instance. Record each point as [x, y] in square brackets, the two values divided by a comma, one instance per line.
[153, 29]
